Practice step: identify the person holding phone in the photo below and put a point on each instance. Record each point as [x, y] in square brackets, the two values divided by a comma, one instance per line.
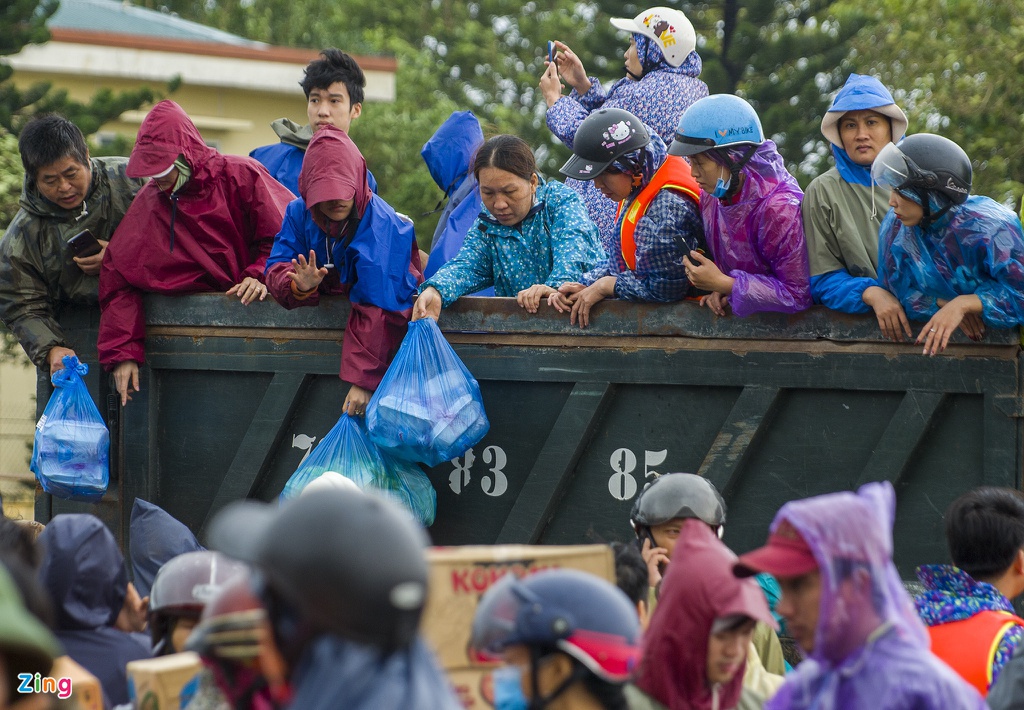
[69, 200]
[662, 70]
[340, 238]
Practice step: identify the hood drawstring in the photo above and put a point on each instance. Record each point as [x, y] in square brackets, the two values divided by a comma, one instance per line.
[174, 212]
[85, 211]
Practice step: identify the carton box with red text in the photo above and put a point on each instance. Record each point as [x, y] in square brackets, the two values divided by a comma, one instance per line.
[459, 576]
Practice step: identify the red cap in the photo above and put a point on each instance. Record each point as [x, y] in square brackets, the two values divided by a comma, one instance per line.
[786, 554]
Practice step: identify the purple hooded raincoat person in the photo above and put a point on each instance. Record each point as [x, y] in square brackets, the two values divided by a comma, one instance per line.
[751, 209]
[867, 648]
[662, 81]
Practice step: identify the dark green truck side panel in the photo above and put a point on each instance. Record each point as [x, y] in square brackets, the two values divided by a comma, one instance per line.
[770, 408]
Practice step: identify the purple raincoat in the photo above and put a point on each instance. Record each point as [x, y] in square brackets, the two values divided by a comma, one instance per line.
[870, 648]
[658, 99]
[758, 238]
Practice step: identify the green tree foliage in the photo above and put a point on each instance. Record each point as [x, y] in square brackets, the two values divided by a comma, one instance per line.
[27, 22]
[955, 67]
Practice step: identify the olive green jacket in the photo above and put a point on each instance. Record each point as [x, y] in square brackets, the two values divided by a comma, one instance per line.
[37, 274]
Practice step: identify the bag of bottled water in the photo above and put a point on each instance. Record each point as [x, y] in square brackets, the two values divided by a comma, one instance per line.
[71, 449]
[428, 407]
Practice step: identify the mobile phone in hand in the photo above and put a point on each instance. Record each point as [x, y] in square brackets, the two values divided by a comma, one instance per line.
[551, 51]
[84, 244]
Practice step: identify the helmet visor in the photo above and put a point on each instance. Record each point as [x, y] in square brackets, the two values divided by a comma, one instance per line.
[890, 168]
[494, 624]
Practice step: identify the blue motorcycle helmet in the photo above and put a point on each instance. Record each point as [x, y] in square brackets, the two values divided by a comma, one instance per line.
[720, 123]
[561, 610]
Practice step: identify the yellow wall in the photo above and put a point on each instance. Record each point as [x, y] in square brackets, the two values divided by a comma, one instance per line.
[258, 109]
[17, 422]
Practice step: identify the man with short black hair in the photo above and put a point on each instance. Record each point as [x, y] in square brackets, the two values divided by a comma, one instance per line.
[65, 192]
[967, 606]
[333, 85]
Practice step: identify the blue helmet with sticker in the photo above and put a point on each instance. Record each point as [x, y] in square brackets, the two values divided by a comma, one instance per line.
[717, 121]
[577, 613]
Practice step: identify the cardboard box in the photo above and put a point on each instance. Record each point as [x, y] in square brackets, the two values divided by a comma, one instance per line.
[473, 687]
[460, 575]
[85, 687]
[156, 683]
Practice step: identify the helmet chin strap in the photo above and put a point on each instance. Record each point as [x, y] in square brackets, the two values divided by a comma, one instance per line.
[634, 77]
[539, 702]
[734, 169]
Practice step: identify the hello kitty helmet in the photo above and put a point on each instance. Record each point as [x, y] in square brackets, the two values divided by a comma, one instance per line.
[602, 138]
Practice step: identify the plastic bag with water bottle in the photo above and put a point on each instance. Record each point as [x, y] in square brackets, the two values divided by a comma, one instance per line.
[348, 451]
[428, 407]
[71, 449]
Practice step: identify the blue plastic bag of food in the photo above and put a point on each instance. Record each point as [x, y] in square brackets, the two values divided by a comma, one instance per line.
[408, 484]
[428, 407]
[346, 450]
[71, 450]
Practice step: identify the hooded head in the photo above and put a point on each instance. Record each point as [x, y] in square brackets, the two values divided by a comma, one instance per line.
[699, 588]
[333, 169]
[166, 133]
[26, 645]
[850, 537]
[155, 538]
[860, 93]
[84, 572]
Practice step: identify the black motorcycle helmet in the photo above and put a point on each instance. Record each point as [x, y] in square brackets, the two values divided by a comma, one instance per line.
[339, 562]
[603, 137]
[925, 163]
[677, 495]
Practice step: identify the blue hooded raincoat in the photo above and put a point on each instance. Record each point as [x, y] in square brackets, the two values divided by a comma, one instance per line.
[335, 673]
[448, 155]
[155, 538]
[85, 574]
[976, 247]
[829, 202]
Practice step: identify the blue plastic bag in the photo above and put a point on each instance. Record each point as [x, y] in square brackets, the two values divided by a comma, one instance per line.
[71, 450]
[346, 450]
[407, 484]
[428, 407]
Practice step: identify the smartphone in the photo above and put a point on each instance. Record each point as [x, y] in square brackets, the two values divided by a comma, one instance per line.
[84, 244]
[551, 51]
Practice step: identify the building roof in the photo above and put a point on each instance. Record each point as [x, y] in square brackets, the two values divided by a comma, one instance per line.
[110, 16]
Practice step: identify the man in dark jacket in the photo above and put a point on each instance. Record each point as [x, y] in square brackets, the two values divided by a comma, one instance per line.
[65, 192]
[85, 574]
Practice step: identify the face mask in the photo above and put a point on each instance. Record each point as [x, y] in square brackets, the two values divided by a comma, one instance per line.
[721, 187]
[508, 692]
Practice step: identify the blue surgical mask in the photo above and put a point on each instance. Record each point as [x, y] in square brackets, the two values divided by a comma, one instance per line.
[508, 691]
[721, 187]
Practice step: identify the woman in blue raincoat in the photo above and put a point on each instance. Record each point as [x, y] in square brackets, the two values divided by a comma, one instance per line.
[953, 259]
[531, 237]
[751, 209]
[842, 209]
[662, 70]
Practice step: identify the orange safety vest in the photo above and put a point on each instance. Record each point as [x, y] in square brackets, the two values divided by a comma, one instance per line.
[674, 174]
[969, 646]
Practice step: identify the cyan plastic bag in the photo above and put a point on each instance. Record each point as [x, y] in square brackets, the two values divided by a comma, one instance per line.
[428, 407]
[346, 450]
[71, 450]
[407, 484]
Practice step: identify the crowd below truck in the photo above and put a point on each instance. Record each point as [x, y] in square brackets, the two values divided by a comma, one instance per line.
[333, 598]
